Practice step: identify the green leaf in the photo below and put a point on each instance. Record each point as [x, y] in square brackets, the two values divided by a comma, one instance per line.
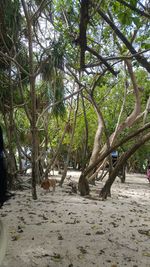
[133, 2]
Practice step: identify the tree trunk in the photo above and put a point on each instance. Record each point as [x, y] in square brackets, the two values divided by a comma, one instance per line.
[119, 127]
[34, 132]
[10, 156]
[85, 143]
[52, 163]
[83, 186]
[71, 143]
[100, 159]
[123, 159]
[97, 139]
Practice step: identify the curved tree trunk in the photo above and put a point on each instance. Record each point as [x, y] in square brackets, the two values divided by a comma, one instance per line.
[97, 139]
[119, 127]
[107, 187]
[100, 159]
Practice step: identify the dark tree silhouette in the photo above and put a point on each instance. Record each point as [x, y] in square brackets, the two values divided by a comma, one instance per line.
[4, 194]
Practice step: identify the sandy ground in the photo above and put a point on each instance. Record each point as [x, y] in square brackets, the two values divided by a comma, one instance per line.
[66, 230]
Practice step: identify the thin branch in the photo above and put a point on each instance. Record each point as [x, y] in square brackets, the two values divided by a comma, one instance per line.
[75, 77]
[137, 10]
[56, 103]
[13, 60]
[142, 60]
[37, 13]
[93, 52]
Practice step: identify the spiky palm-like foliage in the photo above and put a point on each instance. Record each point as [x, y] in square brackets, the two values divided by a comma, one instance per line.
[52, 73]
[10, 19]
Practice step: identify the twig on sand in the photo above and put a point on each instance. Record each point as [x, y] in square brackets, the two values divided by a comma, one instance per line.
[122, 245]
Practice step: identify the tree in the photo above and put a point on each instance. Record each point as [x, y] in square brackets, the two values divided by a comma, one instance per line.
[100, 48]
[28, 66]
[130, 120]
[9, 31]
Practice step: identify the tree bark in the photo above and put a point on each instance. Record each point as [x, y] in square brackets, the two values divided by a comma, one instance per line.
[100, 158]
[107, 187]
[83, 185]
[85, 143]
[71, 143]
[34, 132]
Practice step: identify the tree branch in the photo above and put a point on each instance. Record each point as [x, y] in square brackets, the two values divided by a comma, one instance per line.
[56, 103]
[137, 10]
[114, 147]
[91, 65]
[84, 18]
[142, 60]
[37, 13]
[93, 52]
[15, 61]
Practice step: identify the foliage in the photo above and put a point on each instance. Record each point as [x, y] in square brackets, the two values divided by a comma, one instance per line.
[56, 56]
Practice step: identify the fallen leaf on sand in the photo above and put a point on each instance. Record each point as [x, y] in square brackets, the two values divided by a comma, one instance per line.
[147, 254]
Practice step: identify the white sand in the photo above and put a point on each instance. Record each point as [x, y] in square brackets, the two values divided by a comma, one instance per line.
[66, 230]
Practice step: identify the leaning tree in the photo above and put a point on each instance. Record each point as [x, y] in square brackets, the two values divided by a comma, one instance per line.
[97, 48]
[110, 39]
